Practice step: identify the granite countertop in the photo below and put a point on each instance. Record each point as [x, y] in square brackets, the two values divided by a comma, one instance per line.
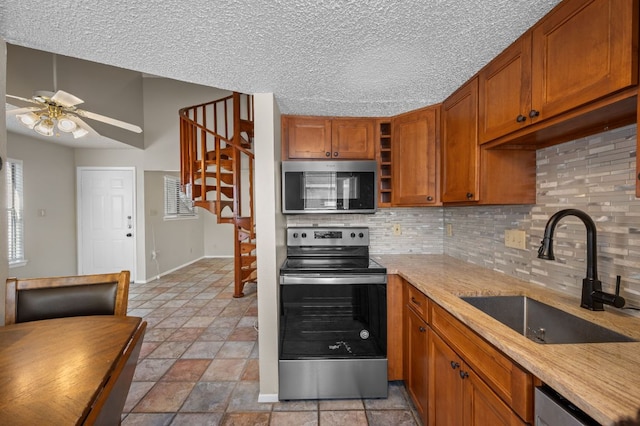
[601, 379]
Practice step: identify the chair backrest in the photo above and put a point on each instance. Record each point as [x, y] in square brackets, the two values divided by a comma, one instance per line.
[33, 299]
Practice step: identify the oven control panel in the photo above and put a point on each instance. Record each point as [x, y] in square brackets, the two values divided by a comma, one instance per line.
[327, 236]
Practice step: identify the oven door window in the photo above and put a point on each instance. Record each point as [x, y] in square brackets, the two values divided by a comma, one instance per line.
[333, 321]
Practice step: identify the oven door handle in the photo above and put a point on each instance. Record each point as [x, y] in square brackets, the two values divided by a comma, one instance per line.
[333, 279]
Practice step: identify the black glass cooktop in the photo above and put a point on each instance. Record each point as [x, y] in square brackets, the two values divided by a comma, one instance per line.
[297, 265]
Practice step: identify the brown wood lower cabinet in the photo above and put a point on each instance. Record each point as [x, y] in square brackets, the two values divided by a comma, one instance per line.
[458, 396]
[455, 377]
[416, 362]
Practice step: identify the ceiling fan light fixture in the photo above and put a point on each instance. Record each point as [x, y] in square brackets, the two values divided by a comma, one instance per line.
[44, 127]
[79, 132]
[66, 124]
[28, 119]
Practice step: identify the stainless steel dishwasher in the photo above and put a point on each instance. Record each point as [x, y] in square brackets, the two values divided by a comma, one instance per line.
[552, 409]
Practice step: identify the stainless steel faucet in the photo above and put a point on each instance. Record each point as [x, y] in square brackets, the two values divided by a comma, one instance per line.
[593, 297]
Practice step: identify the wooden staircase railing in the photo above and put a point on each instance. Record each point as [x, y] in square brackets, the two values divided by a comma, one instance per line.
[216, 162]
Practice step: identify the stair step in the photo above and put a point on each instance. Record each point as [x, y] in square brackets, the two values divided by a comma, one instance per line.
[247, 247]
[244, 235]
[224, 164]
[225, 177]
[224, 153]
[211, 206]
[196, 190]
[249, 275]
[247, 260]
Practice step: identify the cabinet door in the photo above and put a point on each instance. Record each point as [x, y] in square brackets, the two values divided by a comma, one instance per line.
[482, 406]
[414, 158]
[638, 147]
[416, 369]
[306, 137]
[505, 91]
[395, 326]
[353, 138]
[583, 50]
[460, 156]
[446, 406]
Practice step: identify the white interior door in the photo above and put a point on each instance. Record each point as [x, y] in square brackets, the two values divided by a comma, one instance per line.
[106, 220]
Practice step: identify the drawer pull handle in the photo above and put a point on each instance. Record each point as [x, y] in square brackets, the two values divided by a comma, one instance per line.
[415, 301]
[455, 365]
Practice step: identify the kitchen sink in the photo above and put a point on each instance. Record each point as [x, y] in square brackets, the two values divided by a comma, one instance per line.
[543, 323]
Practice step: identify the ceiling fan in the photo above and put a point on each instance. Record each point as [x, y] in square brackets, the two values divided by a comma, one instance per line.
[59, 110]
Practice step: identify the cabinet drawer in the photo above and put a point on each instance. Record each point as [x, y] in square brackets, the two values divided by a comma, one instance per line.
[510, 382]
[418, 301]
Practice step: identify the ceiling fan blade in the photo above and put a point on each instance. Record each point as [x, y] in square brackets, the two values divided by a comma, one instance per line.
[20, 98]
[66, 99]
[82, 125]
[17, 111]
[108, 120]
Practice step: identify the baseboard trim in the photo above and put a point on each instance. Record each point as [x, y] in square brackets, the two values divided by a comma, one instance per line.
[268, 397]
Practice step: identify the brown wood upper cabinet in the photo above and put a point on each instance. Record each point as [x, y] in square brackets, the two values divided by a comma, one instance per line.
[318, 138]
[460, 151]
[414, 157]
[583, 50]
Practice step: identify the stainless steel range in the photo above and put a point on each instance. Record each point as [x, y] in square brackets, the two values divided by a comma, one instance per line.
[333, 316]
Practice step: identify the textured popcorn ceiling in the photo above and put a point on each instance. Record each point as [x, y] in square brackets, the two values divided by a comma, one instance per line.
[350, 57]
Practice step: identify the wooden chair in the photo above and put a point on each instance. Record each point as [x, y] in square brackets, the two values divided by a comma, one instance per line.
[35, 299]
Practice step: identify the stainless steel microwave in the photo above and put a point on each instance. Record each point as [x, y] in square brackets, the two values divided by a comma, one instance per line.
[329, 186]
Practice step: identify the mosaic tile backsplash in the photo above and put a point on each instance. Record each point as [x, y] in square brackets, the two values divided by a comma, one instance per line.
[594, 174]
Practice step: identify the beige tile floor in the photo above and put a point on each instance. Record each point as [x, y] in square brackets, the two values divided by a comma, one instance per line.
[199, 361]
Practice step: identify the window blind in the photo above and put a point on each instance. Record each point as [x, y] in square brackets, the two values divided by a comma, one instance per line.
[176, 204]
[15, 211]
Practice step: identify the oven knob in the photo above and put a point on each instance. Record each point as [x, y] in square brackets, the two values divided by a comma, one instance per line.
[364, 334]
[353, 235]
[304, 235]
[295, 235]
[361, 235]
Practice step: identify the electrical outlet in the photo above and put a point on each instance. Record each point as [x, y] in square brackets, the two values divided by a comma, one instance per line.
[449, 230]
[515, 238]
[397, 230]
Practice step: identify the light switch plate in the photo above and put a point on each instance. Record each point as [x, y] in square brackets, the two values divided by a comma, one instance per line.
[515, 238]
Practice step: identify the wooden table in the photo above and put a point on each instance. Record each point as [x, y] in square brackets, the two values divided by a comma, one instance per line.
[68, 371]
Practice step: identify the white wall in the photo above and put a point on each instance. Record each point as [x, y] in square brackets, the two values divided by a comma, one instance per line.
[177, 242]
[163, 98]
[49, 186]
[270, 229]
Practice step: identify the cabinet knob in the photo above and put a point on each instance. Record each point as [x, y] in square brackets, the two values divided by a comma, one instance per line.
[463, 374]
[533, 113]
[521, 118]
[469, 195]
[335, 154]
[455, 365]
[422, 329]
[327, 154]
[429, 198]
